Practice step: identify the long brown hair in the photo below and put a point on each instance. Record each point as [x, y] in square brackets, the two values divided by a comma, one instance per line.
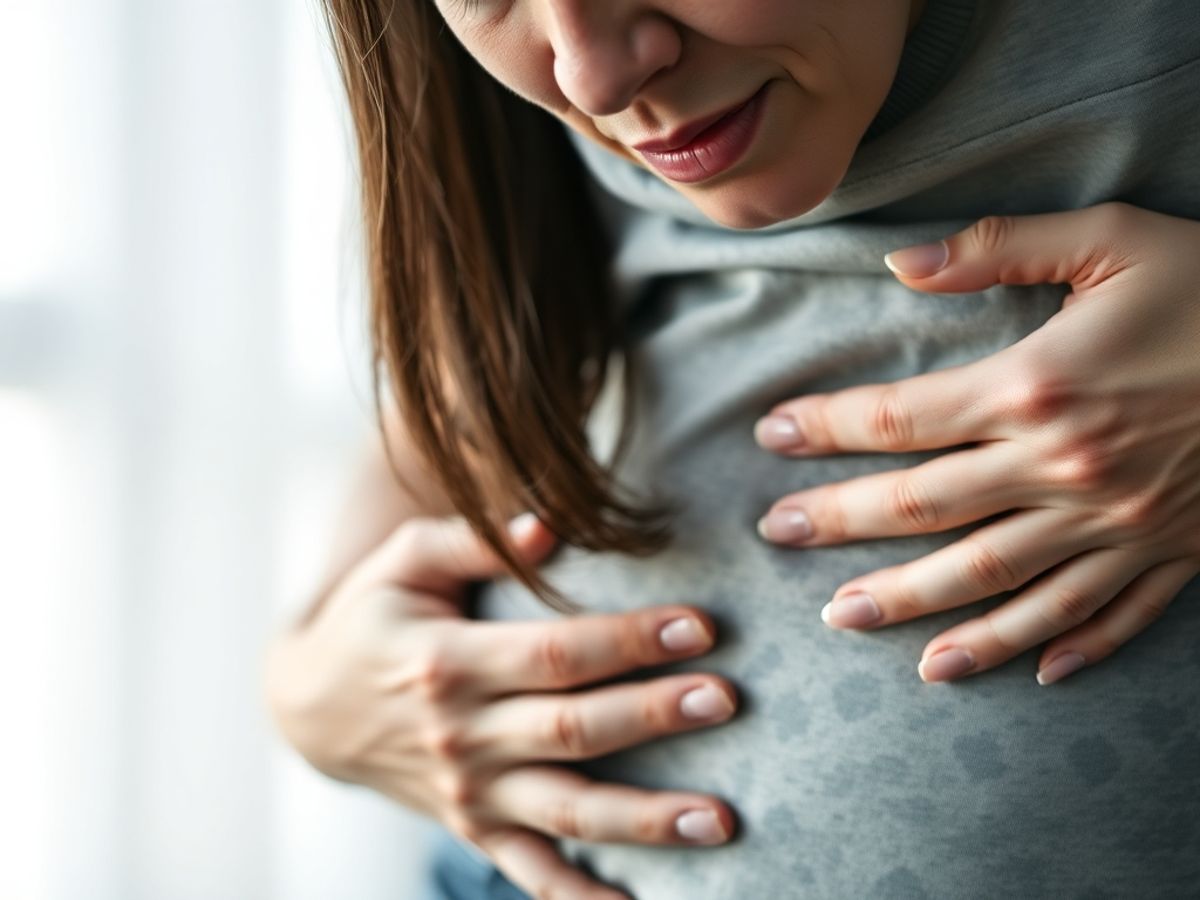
[491, 309]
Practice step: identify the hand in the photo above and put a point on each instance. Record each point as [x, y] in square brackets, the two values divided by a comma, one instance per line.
[391, 688]
[1087, 430]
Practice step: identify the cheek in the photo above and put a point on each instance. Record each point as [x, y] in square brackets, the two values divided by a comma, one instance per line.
[519, 58]
[829, 47]
[745, 23]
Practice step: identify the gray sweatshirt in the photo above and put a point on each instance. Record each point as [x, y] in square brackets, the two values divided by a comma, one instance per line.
[851, 777]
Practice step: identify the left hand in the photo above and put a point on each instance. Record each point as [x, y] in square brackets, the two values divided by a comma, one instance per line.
[1087, 431]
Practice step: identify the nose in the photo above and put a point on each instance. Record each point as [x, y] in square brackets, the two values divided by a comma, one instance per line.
[605, 50]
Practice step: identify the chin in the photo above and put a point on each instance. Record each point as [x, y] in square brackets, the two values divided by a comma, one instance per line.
[747, 204]
[743, 217]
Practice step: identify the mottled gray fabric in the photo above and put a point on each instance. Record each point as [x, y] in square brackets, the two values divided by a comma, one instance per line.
[852, 777]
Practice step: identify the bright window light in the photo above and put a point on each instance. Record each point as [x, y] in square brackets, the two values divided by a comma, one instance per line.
[30, 108]
[32, 508]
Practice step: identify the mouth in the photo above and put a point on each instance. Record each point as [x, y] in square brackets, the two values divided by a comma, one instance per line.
[685, 134]
[706, 147]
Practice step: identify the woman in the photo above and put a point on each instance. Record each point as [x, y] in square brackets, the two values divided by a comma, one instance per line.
[837, 132]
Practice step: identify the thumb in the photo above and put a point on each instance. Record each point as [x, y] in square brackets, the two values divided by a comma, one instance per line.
[1080, 247]
[440, 554]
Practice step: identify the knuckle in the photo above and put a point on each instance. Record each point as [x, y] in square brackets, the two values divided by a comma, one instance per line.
[567, 732]
[833, 525]
[999, 639]
[563, 819]
[434, 676]
[459, 792]
[1151, 609]
[891, 420]
[903, 603]
[552, 660]
[447, 742]
[1066, 607]
[986, 569]
[909, 503]
[818, 427]
[1085, 467]
[657, 713]
[637, 636]
[991, 233]
[1039, 399]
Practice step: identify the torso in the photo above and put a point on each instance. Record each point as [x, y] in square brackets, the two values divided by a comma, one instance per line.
[852, 777]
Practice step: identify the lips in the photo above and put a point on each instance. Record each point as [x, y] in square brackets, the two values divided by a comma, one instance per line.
[685, 134]
[706, 147]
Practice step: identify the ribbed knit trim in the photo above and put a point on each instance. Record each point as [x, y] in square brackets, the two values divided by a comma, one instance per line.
[931, 54]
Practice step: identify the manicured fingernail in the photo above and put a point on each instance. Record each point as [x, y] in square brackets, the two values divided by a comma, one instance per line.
[701, 826]
[683, 636]
[522, 525]
[785, 526]
[852, 611]
[946, 664]
[919, 262]
[776, 432]
[706, 703]
[1060, 667]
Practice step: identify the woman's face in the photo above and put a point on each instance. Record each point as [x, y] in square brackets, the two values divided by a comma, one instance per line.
[791, 84]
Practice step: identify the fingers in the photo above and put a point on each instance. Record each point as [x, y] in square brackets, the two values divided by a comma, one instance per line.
[926, 498]
[935, 409]
[510, 657]
[593, 723]
[1080, 247]
[998, 557]
[1063, 599]
[533, 863]
[442, 554]
[563, 803]
[1131, 611]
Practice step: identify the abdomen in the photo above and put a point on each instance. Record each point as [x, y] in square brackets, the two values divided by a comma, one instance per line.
[852, 777]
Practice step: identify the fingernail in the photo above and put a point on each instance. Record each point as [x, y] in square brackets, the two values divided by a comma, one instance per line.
[856, 610]
[706, 703]
[776, 432]
[919, 262]
[701, 826]
[946, 664]
[522, 525]
[785, 526]
[684, 635]
[1060, 667]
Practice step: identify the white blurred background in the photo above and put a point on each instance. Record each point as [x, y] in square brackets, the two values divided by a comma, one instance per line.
[183, 388]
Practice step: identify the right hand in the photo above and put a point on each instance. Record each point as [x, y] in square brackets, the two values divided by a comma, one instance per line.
[392, 688]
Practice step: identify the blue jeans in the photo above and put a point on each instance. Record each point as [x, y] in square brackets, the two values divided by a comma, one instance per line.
[462, 873]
